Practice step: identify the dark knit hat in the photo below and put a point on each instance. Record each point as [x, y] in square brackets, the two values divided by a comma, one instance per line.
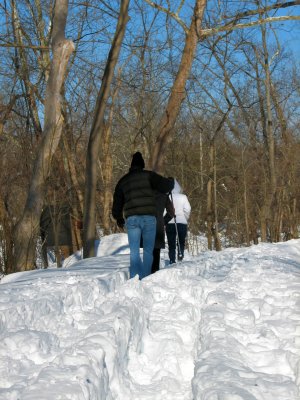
[137, 160]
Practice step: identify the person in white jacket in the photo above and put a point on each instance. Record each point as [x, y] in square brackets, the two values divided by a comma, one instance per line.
[182, 213]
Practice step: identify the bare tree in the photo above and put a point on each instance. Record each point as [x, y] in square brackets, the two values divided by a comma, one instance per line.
[89, 224]
[27, 228]
[193, 34]
[177, 94]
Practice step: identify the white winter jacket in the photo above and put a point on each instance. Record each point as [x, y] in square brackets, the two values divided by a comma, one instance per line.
[181, 204]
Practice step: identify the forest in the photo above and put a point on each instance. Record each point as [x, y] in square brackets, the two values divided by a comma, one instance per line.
[207, 90]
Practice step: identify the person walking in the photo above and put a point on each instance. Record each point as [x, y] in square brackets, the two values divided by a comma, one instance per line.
[178, 225]
[134, 206]
[165, 212]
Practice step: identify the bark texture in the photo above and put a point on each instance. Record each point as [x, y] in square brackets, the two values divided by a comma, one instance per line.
[27, 229]
[178, 90]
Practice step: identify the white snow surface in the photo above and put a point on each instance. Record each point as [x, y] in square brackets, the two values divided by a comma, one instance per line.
[218, 326]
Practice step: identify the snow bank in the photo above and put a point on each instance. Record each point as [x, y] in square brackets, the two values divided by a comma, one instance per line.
[218, 326]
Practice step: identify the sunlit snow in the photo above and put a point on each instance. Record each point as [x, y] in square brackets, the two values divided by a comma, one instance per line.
[219, 326]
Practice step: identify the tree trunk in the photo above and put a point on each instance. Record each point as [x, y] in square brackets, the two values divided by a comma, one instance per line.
[107, 179]
[217, 240]
[270, 142]
[6, 239]
[245, 199]
[294, 226]
[209, 200]
[106, 165]
[23, 70]
[177, 95]
[209, 215]
[27, 229]
[77, 203]
[89, 223]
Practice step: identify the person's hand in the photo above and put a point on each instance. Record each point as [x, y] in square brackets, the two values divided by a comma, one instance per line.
[121, 223]
[167, 218]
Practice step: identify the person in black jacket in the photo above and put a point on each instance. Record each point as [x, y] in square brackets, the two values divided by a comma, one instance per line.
[164, 213]
[134, 200]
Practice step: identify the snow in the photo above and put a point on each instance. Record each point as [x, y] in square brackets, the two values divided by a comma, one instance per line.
[219, 326]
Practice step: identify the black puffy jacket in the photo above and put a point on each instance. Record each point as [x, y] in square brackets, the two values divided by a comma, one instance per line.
[163, 203]
[135, 193]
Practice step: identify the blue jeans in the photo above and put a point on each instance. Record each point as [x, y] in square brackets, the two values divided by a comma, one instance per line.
[141, 226]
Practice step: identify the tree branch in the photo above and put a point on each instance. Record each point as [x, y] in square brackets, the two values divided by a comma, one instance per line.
[24, 46]
[262, 10]
[170, 13]
[233, 24]
[230, 27]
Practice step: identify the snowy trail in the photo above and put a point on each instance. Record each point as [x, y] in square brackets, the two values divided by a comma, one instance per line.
[220, 326]
[163, 365]
[227, 326]
[249, 321]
